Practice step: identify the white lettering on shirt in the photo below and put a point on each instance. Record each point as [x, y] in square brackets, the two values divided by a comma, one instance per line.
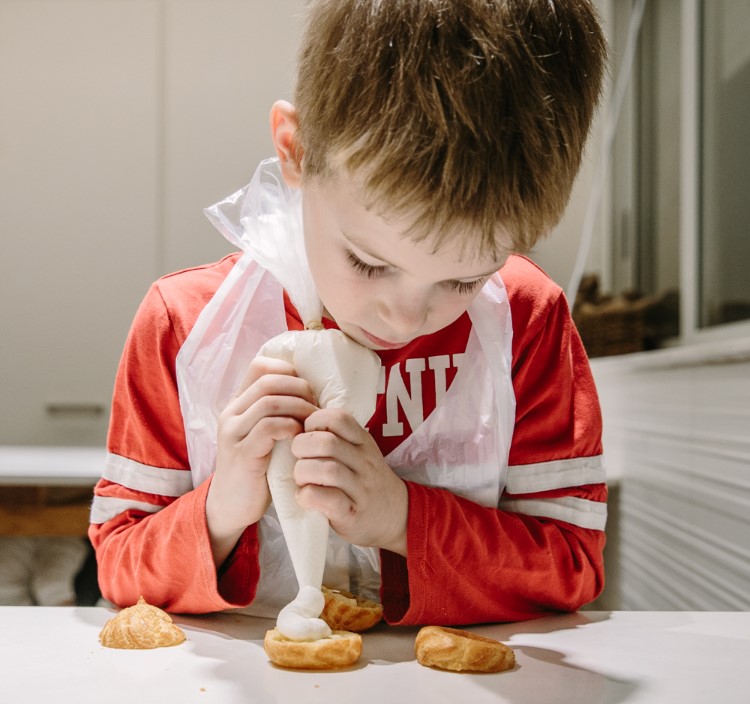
[438, 365]
[458, 360]
[411, 401]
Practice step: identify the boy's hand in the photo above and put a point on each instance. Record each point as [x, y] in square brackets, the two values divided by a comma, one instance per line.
[342, 473]
[271, 404]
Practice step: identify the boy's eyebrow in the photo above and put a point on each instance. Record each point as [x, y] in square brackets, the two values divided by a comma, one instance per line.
[353, 240]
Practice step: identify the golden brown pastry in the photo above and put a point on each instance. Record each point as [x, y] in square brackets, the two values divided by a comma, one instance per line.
[346, 612]
[452, 649]
[340, 649]
[141, 627]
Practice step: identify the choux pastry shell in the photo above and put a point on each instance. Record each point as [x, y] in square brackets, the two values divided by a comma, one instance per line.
[453, 649]
[338, 650]
[344, 611]
[141, 627]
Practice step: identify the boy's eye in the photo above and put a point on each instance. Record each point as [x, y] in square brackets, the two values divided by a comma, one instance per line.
[368, 270]
[465, 287]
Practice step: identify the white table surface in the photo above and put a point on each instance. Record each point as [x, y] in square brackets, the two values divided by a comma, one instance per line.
[53, 654]
[51, 466]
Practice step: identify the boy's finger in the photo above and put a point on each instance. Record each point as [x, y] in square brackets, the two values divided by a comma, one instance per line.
[271, 385]
[333, 503]
[325, 471]
[337, 421]
[264, 435]
[261, 366]
[241, 425]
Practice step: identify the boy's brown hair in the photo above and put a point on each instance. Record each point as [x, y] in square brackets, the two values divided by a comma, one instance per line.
[460, 114]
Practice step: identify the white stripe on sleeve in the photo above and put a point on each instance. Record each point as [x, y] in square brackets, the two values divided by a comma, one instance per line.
[571, 509]
[142, 477]
[557, 474]
[105, 508]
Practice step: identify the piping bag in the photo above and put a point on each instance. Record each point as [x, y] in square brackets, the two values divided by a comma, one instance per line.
[342, 374]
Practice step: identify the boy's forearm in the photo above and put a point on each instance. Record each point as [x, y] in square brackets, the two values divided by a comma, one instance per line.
[166, 557]
[223, 534]
[472, 564]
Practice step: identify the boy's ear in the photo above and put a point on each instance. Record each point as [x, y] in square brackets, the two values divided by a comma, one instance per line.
[284, 125]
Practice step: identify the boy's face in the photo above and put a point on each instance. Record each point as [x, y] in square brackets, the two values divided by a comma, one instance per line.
[382, 288]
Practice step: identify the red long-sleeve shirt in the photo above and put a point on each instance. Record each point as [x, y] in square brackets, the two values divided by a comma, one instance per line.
[539, 551]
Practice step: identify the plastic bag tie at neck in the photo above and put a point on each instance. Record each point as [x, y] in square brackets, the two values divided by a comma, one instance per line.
[264, 219]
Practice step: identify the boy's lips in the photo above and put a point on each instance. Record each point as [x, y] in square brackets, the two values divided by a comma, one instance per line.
[386, 344]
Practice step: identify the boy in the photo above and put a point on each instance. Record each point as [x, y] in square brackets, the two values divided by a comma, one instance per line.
[430, 140]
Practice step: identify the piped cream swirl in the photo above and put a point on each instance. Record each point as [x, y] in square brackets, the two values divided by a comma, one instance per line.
[299, 620]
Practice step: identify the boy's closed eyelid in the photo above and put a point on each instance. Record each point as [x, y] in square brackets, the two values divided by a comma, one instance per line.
[369, 270]
[353, 243]
[354, 256]
[466, 287]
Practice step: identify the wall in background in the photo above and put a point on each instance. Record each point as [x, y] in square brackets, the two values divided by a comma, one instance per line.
[121, 121]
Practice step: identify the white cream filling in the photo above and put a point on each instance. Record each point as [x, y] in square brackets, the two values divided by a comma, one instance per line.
[299, 620]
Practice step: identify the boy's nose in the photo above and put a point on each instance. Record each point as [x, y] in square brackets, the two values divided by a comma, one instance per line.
[405, 316]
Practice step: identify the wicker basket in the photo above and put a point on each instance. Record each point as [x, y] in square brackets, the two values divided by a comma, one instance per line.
[615, 328]
[627, 323]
